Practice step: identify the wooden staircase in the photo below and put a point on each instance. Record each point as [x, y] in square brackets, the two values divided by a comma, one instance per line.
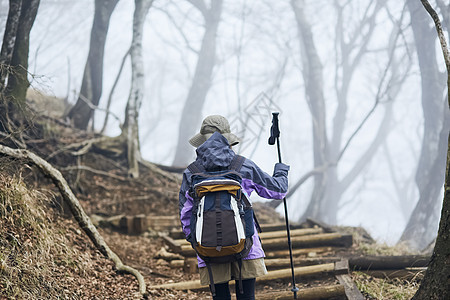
[307, 244]
[323, 258]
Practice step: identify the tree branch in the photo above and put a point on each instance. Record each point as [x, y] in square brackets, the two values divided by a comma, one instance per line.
[108, 105]
[201, 6]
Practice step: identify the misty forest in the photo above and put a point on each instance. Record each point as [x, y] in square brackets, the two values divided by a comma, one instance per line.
[98, 101]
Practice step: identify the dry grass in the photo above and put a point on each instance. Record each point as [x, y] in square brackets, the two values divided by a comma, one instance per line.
[385, 289]
[32, 250]
[384, 249]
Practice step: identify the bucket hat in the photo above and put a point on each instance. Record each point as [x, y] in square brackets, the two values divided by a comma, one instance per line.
[210, 125]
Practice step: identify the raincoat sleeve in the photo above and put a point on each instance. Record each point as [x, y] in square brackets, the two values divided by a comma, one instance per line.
[266, 186]
[185, 205]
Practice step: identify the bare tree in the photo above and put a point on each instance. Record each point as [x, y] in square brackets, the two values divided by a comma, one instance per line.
[14, 61]
[91, 86]
[130, 128]
[329, 148]
[201, 83]
[421, 227]
[435, 284]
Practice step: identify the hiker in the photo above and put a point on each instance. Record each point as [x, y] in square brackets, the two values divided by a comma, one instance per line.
[214, 153]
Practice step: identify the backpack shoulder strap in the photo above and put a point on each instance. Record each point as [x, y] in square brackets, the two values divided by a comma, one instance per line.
[195, 167]
[237, 162]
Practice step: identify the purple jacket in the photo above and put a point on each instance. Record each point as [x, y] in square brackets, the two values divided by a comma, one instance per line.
[216, 152]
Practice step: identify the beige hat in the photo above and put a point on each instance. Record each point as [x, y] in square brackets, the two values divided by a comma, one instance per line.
[210, 125]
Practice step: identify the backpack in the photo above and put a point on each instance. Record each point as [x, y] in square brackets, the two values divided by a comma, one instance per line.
[222, 217]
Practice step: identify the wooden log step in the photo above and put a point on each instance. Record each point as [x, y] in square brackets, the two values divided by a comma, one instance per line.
[296, 252]
[279, 227]
[357, 263]
[277, 263]
[321, 292]
[283, 234]
[177, 263]
[270, 276]
[280, 263]
[163, 223]
[312, 223]
[308, 241]
[178, 234]
[299, 271]
[322, 239]
[351, 290]
[274, 234]
[173, 245]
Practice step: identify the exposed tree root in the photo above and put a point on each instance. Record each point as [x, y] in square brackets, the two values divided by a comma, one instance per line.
[82, 218]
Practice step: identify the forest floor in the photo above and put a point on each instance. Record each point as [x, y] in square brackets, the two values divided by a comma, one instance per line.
[99, 181]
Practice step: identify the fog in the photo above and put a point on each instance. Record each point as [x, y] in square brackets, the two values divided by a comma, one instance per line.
[258, 70]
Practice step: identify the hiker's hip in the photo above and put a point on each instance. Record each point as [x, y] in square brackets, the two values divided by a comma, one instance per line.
[251, 268]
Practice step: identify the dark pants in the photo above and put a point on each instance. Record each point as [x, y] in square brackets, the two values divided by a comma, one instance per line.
[223, 291]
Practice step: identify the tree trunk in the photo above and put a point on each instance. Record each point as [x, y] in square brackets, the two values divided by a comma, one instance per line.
[9, 40]
[436, 283]
[312, 76]
[131, 128]
[421, 227]
[91, 86]
[18, 83]
[201, 83]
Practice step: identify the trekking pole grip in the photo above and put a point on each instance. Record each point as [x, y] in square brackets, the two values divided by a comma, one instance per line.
[275, 129]
[275, 133]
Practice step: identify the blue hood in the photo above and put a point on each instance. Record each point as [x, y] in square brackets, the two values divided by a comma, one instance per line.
[215, 153]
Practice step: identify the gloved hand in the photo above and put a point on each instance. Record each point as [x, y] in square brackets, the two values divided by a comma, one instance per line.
[280, 169]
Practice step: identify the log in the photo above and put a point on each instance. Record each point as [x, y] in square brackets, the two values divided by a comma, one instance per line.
[341, 267]
[177, 234]
[388, 262]
[296, 232]
[160, 223]
[270, 276]
[276, 263]
[177, 263]
[327, 228]
[277, 254]
[321, 292]
[278, 227]
[351, 290]
[296, 252]
[279, 263]
[190, 266]
[299, 271]
[173, 245]
[134, 225]
[274, 234]
[323, 239]
[77, 210]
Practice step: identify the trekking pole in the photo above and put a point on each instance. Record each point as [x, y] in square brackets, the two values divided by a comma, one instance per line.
[275, 137]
